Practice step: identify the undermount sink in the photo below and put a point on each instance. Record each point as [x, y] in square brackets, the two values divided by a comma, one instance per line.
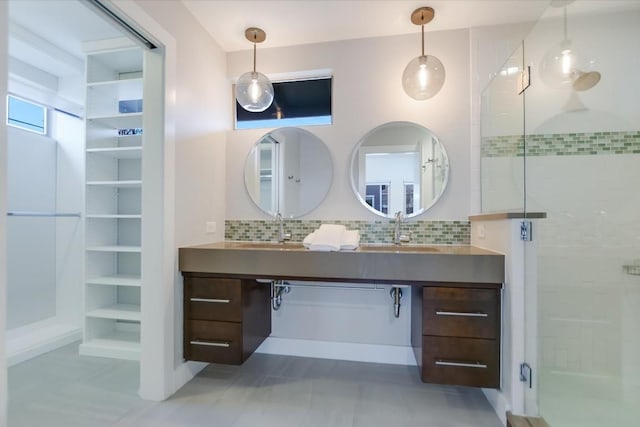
[267, 245]
[398, 248]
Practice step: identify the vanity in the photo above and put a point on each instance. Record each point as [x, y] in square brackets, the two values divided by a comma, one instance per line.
[455, 312]
[398, 170]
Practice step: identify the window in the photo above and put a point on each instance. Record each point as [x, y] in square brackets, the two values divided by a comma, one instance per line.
[295, 103]
[26, 115]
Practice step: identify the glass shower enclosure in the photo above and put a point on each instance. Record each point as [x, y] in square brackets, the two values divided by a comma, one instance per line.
[569, 146]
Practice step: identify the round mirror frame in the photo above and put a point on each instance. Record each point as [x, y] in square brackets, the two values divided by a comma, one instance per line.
[355, 158]
[250, 171]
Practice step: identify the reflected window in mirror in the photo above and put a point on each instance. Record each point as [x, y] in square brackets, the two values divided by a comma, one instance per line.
[399, 167]
[288, 171]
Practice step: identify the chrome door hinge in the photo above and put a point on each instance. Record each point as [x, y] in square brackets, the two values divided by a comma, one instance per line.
[526, 232]
[524, 80]
[526, 374]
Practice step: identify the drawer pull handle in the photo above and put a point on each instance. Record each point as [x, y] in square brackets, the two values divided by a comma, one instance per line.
[461, 365]
[460, 313]
[221, 301]
[211, 343]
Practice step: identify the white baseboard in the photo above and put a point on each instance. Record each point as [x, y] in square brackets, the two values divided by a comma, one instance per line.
[32, 340]
[374, 353]
[498, 402]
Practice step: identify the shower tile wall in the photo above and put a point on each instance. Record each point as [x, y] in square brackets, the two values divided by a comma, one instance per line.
[586, 183]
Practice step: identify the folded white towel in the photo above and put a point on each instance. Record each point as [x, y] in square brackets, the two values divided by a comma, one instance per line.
[350, 240]
[308, 240]
[327, 238]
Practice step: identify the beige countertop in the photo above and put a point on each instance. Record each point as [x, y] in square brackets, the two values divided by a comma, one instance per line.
[368, 263]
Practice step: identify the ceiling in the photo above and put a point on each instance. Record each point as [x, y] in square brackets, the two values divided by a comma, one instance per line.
[289, 22]
[50, 34]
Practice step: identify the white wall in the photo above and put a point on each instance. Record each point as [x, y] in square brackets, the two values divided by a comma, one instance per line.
[68, 131]
[367, 92]
[31, 241]
[3, 209]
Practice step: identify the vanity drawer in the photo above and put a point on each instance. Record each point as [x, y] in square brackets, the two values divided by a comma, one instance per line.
[214, 342]
[461, 312]
[214, 299]
[461, 361]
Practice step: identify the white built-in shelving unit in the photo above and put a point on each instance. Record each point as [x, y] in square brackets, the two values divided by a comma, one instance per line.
[113, 215]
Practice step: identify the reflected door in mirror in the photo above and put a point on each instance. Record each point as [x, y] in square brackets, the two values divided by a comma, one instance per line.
[288, 171]
[399, 167]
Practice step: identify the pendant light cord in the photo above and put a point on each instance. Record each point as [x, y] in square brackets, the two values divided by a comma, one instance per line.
[254, 57]
[422, 39]
[564, 21]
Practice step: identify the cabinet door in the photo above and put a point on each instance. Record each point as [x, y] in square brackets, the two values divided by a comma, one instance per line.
[461, 312]
[461, 361]
[213, 299]
[214, 342]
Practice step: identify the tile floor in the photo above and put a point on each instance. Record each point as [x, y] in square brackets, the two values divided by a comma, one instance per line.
[64, 389]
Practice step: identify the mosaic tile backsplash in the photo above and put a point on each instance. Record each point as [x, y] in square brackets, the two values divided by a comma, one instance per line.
[422, 232]
[566, 144]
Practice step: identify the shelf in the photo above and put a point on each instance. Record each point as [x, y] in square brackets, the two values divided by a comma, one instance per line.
[116, 280]
[119, 345]
[117, 312]
[113, 202]
[119, 184]
[118, 152]
[129, 249]
[113, 216]
[120, 89]
[112, 62]
[119, 121]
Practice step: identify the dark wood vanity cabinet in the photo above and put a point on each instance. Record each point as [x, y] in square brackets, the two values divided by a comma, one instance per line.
[455, 333]
[225, 319]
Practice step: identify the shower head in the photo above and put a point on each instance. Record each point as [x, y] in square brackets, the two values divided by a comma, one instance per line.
[585, 81]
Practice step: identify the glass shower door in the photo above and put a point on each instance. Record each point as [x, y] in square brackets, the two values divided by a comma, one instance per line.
[583, 168]
[502, 165]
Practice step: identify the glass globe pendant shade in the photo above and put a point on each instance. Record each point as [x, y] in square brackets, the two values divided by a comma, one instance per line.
[562, 66]
[423, 77]
[254, 92]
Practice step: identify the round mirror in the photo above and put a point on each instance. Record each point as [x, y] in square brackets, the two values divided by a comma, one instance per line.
[399, 167]
[288, 171]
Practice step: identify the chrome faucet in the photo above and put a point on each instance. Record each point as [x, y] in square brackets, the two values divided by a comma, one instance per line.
[398, 238]
[282, 236]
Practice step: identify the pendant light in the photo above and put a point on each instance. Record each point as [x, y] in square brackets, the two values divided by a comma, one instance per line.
[254, 91]
[563, 66]
[424, 75]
